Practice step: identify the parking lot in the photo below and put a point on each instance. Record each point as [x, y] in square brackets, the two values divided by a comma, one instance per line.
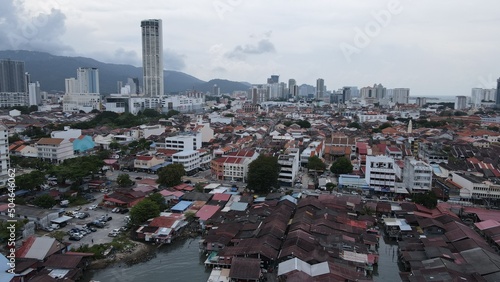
[101, 234]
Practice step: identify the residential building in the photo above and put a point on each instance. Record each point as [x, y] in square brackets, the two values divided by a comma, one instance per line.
[460, 102]
[315, 148]
[13, 84]
[497, 96]
[34, 94]
[394, 152]
[82, 93]
[54, 149]
[67, 133]
[289, 163]
[145, 131]
[146, 162]
[183, 142]
[320, 88]
[432, 153]
[400, 95]
[380, 173]
[233, 166]
[473, 187]
[372, 117]
[190, 159]
[417, 176]
[4, 155]
[152, 57]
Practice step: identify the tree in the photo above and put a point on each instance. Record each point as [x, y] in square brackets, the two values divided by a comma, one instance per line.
[143, 211]
[330, 186]
[44, 201]
[190, 216]
[114, 145]
[263, 174]
[30, 181]
[123, 180]
[354, 125]
[159, 200]
[171, 175]
[341, 166]
[315, 163]
[150, 113]
[427, 199]
[14, 138]
[171, 113]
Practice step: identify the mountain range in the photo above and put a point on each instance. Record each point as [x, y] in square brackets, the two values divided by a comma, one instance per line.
[51, 70]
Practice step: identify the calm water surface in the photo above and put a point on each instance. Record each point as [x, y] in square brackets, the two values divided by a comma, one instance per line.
[179, 262]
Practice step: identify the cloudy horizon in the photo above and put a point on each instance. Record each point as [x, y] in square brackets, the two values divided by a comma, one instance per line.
[433, 48]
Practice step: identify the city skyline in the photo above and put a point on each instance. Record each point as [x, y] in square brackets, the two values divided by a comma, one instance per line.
[448, 53]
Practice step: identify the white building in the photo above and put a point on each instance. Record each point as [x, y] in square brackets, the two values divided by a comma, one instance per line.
[123, 103]
[289, 165]
[144, 131]
[4, 155]
[460, 102]
[152, 57]
[82, 93]
[190, 159]
[315, 148]
[380, 173]
[401, 95]
[34, 95]
[207, 133]
[417, 176]
[372, 117]
[67, 133]
[54, 149]
[183, 142]
[474, 187]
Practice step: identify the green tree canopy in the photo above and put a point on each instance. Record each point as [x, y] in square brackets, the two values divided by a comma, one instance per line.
[427, 199]
[44, 201]
[341, 166]
[123, 180]
[315, 163]
[159, 200]
[354, 125]
[171, 175]
[30, 181]
[263, 174]
[143, 211]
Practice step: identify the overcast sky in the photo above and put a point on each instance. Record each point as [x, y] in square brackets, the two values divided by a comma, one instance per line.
[435, 48]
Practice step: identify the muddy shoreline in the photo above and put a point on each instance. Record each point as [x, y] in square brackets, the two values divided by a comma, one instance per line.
[141, 252]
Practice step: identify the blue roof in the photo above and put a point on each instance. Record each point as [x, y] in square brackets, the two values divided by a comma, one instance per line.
[289, 198]
[158, 166]
[182, 206]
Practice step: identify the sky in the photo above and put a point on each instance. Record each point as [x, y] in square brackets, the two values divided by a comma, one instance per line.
[435, 48]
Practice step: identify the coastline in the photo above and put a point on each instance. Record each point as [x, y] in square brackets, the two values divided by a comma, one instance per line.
[140, 253]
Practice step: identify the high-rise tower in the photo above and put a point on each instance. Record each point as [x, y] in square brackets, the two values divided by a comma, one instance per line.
[320, 88]
[152, 57]
[497, 100]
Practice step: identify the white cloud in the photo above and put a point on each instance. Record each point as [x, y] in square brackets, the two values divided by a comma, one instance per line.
[433, 47]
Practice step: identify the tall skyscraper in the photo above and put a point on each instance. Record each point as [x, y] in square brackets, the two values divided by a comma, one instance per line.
[320, 88]
[401, 95]
[12, 76]
[497, 98]
[152, 57]
[13, 84]
[460, 102]
[291, 84]
[87, 80]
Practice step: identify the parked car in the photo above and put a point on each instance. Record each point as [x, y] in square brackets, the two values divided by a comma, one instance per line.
[93, 207]
[74, 238]
[112, 234]
[116, 210]
[124, 211]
